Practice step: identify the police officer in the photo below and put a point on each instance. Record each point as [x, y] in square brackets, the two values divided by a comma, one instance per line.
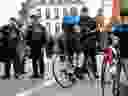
[4, 49]
[36, 38]
[9, 41]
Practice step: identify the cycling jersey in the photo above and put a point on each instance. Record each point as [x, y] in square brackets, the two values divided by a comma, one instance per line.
[123, 44]
[120, 28]
[71, 37]
[71, 20]
[108, 55]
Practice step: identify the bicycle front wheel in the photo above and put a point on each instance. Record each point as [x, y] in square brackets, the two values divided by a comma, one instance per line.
[61, 75]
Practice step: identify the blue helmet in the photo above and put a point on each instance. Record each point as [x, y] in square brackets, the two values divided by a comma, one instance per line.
[71, 19]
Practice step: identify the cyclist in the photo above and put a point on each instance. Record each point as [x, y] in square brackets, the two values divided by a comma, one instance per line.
[114, 45]
[71, 30]
[122, 31]
[88, 39]
[71, 36]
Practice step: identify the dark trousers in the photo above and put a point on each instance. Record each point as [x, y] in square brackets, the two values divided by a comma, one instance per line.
[102, 37]
[93, 65]
[14, 57]
[19, 58]
[16, 67]
[37, 56]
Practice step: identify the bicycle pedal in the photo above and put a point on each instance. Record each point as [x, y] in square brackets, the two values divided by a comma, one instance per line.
[72, 79]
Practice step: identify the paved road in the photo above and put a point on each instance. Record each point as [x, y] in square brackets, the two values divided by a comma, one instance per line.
[11, 87]
[82, 88]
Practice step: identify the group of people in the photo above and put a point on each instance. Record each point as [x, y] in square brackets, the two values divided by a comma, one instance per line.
[12, 44]
[14, 37]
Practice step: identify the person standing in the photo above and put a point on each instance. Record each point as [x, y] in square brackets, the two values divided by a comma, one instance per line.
[88, 24]
[36, 37]
[4, 49]
[10, 41]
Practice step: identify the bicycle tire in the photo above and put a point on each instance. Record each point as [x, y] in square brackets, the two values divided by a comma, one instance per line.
[126, 71]
[115, 91]
[57, 78]
[102, 77]
[116, 82]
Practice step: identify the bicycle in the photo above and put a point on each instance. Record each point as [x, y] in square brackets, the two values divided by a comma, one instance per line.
[115, 79]
[70, 71]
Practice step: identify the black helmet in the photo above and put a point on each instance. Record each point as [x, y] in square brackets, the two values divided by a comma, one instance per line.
[100, 11]
[13, 19]
[84, 9]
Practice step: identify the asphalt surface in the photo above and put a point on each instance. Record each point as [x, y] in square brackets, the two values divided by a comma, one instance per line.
[36, 88]
[82, 88]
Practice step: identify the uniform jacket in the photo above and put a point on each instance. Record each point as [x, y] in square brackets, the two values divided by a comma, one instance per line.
[9, 36]
[36, 32]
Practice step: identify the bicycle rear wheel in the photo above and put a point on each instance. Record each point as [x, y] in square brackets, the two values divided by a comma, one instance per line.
[103, 77]
[116, 82]
[62, 75]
